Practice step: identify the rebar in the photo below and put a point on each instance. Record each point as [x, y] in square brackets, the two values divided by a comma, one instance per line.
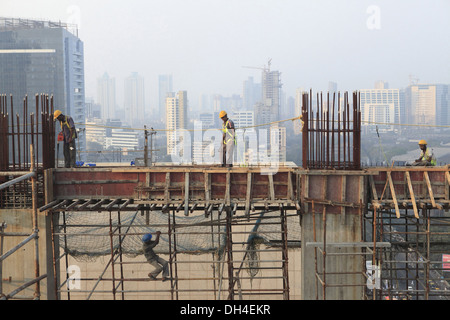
[318, 138]
[20, 127]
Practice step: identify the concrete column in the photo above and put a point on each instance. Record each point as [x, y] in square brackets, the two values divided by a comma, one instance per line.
[338, 199]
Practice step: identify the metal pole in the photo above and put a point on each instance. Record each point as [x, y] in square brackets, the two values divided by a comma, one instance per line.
[146, 147]
[14, 181]
[112, 255]
[229, 255]
[37, 292]
[284, 253]
[120, 254]
[2, 228]
[324, 253]
[175, 252]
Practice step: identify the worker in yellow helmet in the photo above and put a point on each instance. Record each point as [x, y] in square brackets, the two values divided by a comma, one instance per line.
[228, 140]
[69, 134]
[427, 157]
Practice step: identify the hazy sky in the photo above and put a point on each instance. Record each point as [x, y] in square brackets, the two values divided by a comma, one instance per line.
[205, 43]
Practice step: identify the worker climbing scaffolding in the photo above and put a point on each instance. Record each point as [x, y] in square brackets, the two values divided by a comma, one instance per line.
[156, 261]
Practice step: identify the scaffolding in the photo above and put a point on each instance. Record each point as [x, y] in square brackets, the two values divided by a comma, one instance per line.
[235, 269]
[409, 209]
[34, 235]
[398, 231]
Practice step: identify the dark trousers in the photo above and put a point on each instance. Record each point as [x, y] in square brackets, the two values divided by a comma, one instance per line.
[70, 153]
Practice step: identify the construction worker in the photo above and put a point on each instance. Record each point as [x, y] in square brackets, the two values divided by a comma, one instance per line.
[159, 263]
[228, 140]
[427, 157]
[69, 135]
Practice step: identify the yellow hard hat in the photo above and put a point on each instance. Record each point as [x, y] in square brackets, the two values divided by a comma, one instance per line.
[56, 114]
[222, 114]
[422, 142]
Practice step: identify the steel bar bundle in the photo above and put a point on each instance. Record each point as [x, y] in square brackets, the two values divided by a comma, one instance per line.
[21, 126]
[331, 135]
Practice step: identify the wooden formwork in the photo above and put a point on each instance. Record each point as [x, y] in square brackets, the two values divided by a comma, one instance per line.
[413, 187]
[187, 187]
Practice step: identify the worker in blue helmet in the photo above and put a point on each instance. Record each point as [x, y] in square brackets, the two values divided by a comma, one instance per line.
[159, 263]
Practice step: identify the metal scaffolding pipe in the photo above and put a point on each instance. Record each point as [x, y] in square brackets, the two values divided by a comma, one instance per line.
[14, 181]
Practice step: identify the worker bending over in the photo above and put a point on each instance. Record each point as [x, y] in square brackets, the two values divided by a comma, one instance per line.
[427, 157]
[228, 140]
[69, 135]
[159, 263]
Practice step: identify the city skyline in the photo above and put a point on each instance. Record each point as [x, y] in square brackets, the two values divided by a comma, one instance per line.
[205, 44]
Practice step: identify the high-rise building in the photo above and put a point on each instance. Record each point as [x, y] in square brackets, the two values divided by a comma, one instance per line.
[268, 109]
[251, 94]
[278, 137]
[229, 104]
[38, 56]
[207, 120]
[96, 133]
[134, 100]
[243, 119]
[176, 117]
[428, 104]
[106, 96]
[165, 87]
[122, 139]
[271, 93]
[382, 106]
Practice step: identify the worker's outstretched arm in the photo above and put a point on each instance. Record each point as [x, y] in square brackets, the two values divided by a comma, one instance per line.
[158, 233]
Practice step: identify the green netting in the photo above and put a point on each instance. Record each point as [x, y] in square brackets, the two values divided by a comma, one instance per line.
[87, 235]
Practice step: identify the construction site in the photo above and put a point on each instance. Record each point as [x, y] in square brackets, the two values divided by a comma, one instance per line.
[329, 229]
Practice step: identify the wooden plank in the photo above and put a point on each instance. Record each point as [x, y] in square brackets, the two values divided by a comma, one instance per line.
[447, 183]
[290, 189]
[83, 206]
[49, 205]
[78, 201]
[109, 206]
[248, 194]
[147, 184]
[430, 190]
[98, 204]
[186, 194]
[394, 198]
[126, 203]
[411, 193]
[207, 188]
[166, 187]
[227, 190]
[271, 188]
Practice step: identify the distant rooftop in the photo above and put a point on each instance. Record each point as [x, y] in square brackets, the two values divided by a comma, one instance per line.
[18, 23]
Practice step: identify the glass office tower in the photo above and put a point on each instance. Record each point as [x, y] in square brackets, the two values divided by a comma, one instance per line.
[43, 57]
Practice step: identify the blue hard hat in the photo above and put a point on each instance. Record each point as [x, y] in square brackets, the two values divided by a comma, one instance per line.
[147, 237]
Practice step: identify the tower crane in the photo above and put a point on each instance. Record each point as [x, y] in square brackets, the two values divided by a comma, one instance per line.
[265, 69]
